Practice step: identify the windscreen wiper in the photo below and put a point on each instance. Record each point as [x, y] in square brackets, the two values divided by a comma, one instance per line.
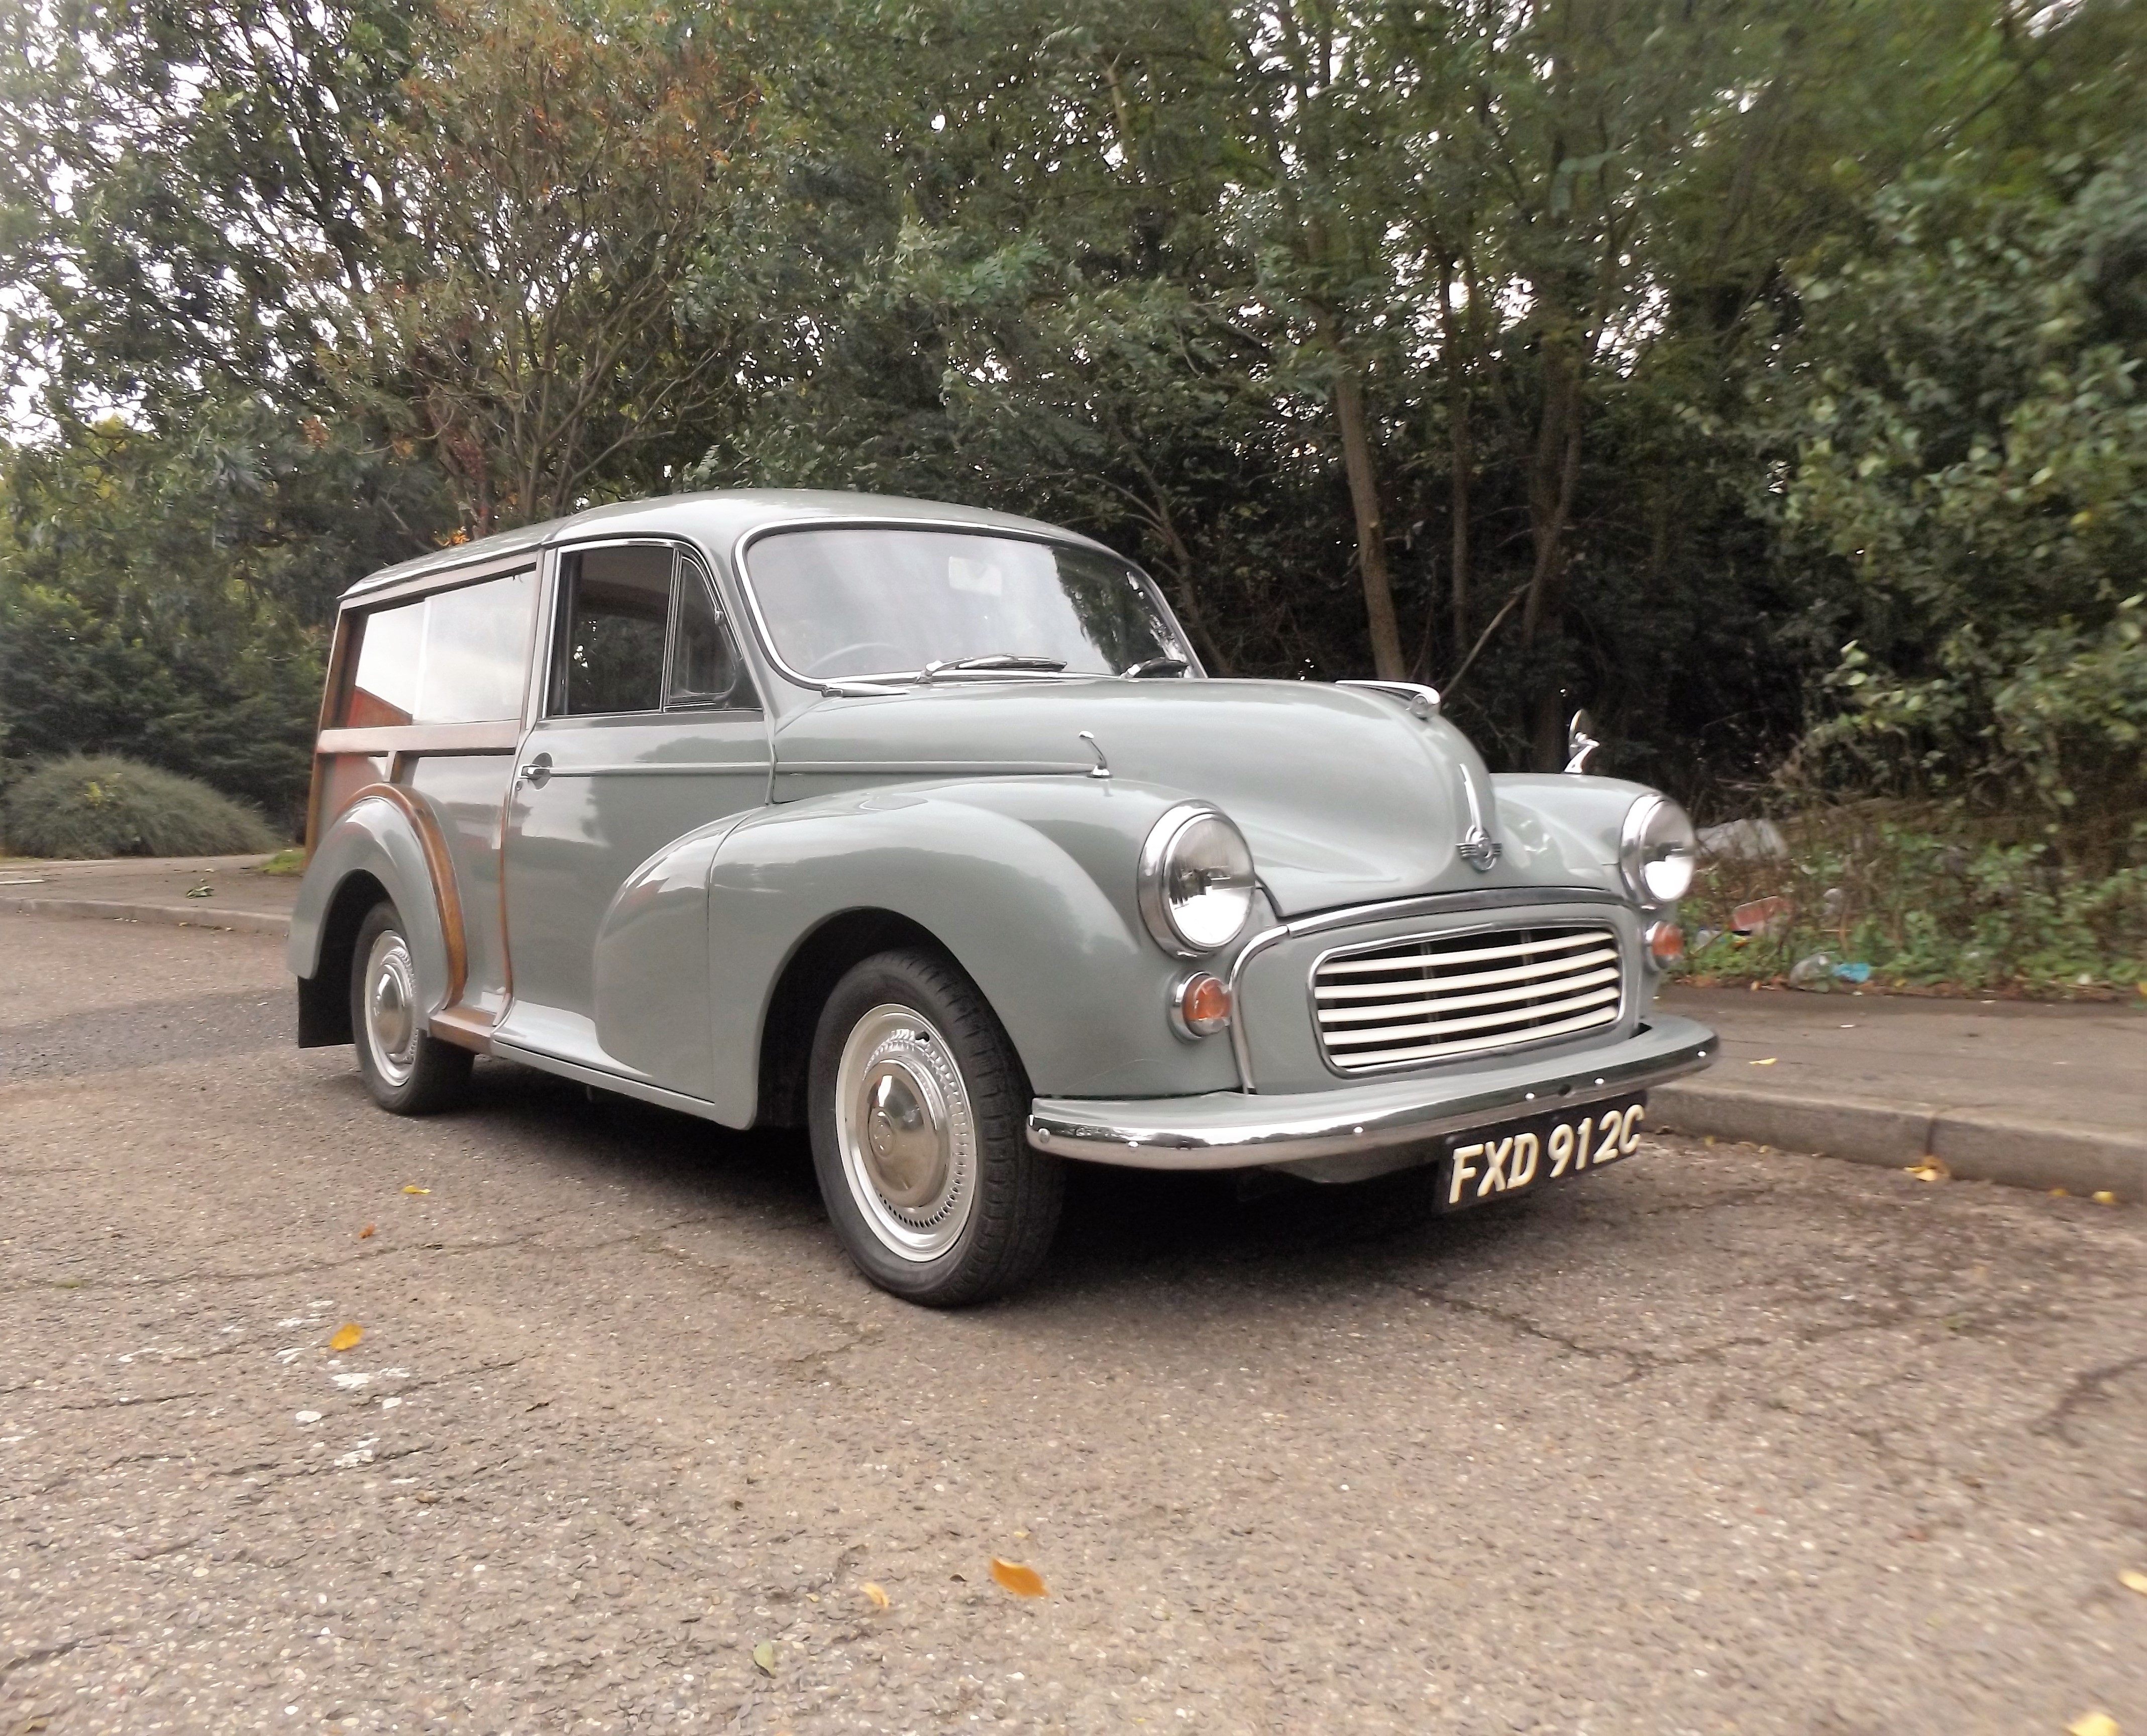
[994, 660]
[1157, 666]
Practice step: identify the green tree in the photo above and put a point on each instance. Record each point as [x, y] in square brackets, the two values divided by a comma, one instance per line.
[164, 597]
[1971, 438]
[555, 170]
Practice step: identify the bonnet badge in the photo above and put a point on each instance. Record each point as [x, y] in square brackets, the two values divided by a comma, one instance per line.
[1477, 847]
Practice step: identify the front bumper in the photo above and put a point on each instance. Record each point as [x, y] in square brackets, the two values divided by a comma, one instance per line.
[1359, 1130]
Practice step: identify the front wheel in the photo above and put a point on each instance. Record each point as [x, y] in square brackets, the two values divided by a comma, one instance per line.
[408, 1070]
[919, 1103]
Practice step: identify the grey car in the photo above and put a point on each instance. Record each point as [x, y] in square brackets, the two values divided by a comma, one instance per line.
[923, 828]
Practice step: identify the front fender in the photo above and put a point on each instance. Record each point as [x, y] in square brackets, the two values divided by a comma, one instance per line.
[378, 835]
[1563, 829]
[1029, 882]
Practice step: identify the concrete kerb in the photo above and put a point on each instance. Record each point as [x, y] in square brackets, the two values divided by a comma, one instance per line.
[177, 916]
[1973, 1144]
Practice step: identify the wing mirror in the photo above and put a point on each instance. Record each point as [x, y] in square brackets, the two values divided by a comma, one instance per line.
[1579, 743]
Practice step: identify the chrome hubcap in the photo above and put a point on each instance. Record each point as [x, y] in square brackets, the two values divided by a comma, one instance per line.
[391, 1008]
[907, 1133]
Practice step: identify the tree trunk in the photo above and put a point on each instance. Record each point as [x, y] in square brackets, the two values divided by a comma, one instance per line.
[1181, 558]
[1552, 471]
[1388, 662]
[1460, 454]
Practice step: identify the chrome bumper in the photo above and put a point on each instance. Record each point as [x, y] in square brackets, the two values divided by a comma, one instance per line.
[1360, 1129]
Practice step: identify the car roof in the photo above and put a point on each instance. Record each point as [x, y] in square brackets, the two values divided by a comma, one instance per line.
[716, 520]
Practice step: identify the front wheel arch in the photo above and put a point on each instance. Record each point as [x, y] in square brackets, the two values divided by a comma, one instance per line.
[808, 976]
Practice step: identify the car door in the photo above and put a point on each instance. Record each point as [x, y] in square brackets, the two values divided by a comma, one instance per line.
[650, 728]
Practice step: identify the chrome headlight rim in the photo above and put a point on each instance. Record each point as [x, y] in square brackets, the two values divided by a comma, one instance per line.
[1153, 877]
[1654, 820]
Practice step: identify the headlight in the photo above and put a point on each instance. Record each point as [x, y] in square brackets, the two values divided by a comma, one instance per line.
[1196, 880]
[1658, 851]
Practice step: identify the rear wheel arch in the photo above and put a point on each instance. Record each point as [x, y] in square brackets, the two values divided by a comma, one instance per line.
[324, 996]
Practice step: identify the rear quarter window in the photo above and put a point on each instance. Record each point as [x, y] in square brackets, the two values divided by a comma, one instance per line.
[454, 656]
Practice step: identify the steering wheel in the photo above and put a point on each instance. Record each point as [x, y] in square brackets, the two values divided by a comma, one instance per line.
[820, 662]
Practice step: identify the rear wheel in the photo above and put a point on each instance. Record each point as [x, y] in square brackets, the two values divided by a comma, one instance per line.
[918, 1107]
[408, 1070]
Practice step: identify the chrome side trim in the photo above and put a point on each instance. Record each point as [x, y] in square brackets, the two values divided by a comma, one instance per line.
[507, 1050]
[939, 767]
[1234, 1130]
[643, 768]
[1392, 910]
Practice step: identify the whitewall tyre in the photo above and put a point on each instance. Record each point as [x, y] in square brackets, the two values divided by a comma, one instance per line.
[408, 1070]
[918, 1107]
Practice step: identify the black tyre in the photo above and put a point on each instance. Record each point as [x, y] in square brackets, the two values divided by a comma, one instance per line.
[408, 1070]
[918, 1109]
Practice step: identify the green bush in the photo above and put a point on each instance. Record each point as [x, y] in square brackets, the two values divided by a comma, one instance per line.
[105, 806]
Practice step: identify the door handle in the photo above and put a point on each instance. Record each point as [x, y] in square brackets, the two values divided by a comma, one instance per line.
[538, 772]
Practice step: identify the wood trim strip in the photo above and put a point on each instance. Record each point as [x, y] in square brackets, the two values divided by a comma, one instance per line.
[441, 867]
[502, 737]
[338, 671]
[464, 1026]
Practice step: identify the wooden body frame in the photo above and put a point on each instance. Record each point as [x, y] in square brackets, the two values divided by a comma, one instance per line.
[400, 744]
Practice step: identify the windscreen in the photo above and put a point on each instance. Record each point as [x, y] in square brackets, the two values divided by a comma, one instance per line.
[852, 603]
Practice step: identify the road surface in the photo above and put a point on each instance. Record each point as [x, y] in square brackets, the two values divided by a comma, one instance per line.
[1717, 1441]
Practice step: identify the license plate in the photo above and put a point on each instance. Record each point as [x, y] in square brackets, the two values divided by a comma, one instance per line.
[1517, 1157]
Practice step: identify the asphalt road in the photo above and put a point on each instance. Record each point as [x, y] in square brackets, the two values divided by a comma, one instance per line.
[1716, 1441]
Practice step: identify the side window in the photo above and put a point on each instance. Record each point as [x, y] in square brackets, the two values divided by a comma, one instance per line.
[454, 657]
[705, 670]
[614, 605]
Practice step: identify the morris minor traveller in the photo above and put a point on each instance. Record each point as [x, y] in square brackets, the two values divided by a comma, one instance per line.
[923, 829]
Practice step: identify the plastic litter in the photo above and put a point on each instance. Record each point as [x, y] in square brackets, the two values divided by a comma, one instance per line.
[1814, 972]
[1763, 916]
[1856, 973]
[1745, 841]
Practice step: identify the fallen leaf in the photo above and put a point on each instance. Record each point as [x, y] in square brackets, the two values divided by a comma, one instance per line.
[369, 1230]
[347, 1336]
[876, 1595]
[2132, 1579]
[1769, 1062]
[2105, 1198]
[1931, 1169]
[2093, 1724]
[2060, 1193]
[1023, 1582]
[412, 1187]
[763, 1656]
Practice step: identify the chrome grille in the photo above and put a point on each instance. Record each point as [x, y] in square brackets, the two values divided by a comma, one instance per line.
[1433, 997]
